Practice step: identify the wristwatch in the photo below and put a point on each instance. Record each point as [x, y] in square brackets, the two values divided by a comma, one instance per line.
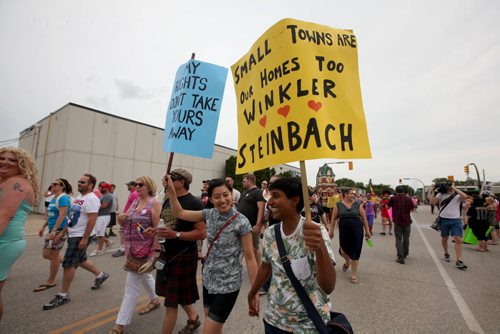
[178, 235]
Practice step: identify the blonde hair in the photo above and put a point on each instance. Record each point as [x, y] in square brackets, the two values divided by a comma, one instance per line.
[27, 167]
[149, 183]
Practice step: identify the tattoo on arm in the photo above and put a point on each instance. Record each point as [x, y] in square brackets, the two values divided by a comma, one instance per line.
[17, 186]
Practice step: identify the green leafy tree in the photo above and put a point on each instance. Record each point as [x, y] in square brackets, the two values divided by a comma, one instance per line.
[345, 182]
[378, 188]
[260, 175]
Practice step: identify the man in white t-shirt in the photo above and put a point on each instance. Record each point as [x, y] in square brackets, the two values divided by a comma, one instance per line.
[82, 220]
[450, 199]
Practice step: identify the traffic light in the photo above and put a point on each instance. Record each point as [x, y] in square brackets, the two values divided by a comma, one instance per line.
[350, 165]
[466, 169]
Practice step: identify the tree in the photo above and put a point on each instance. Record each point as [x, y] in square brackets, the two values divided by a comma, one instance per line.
[260, 175]
[378, 188]
[345, 182]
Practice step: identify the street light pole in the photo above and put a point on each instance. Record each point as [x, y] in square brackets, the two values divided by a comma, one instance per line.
[423, 186]
[477, 173]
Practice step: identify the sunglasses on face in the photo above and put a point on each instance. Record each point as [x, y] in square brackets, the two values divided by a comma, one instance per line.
[82, 182]
[56, 184]
[139, 185]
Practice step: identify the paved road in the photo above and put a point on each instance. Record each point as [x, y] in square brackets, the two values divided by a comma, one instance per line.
[426, 295]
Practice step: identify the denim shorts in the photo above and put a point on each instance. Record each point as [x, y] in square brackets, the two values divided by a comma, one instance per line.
[451, 227]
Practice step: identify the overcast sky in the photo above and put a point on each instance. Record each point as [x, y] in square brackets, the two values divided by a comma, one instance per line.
[429, 70]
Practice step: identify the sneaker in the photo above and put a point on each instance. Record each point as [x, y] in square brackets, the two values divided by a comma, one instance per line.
[400, 260]
[382, 233]
[112, 234]
[447, 257]
[96, 253]
[118, 253]
[57, 301]
[99, 280]
[109, 244]
[390, 233]
[460, 265]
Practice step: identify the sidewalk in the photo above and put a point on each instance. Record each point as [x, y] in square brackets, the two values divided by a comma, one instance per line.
[33, 224]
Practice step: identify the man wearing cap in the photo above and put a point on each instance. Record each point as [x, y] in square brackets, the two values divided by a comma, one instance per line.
[178, 284]
[103, 218]
[131, 198]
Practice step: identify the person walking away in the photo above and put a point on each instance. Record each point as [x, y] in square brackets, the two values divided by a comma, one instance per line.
[402, 205]
[143, 215]
[83, 216]
[477, 217]
[310, 253]
[450, 199]
[19, 191]
[252, 205]
[229, 237]
[180, 254]
[131, 198]
[351, 219]
[58, 211]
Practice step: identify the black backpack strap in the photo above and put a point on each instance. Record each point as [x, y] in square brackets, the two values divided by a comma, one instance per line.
[311, 310]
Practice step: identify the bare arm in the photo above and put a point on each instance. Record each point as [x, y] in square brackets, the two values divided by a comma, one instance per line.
[90, 226]
[333, 221]
[325, 269]
[263, 274]
[178, 211]
[12, 194]
[260, 217]
[250, 261]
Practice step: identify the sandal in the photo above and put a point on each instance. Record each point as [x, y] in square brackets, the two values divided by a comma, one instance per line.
[354, 280]
[152, 305]
[346, 266]
[115, 330]
[43, 287]
[191, 326]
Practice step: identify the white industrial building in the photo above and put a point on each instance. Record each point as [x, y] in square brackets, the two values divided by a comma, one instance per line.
[76, 139]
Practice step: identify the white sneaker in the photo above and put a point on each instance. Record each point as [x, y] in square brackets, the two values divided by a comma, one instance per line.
[96, 253]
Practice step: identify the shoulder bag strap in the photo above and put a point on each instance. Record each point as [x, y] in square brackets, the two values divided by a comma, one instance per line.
[311, 310]
[230, 220]
[446, 202]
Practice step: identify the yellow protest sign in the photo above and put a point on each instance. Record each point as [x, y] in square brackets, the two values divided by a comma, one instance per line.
[299, 97]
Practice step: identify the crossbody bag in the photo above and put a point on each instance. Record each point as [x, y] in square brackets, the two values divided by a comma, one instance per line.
[338, 323]
[437, 222]
[229, 221]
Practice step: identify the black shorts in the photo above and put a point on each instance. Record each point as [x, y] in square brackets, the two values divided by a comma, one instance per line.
[112, 221]
[74, 256]
[219, 305]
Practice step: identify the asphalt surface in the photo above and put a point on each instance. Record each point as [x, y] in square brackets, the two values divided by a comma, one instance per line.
[425, 295]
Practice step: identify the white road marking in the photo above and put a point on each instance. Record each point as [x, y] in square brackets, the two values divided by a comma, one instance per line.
[467, 314]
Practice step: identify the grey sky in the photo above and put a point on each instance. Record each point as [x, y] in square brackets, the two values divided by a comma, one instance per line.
[429, 70]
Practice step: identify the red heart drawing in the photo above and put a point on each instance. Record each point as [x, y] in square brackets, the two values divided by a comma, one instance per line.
[314, 105]
[284, 111]
[262, 121]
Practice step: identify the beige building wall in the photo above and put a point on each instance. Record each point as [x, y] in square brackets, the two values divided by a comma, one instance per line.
[75, 140]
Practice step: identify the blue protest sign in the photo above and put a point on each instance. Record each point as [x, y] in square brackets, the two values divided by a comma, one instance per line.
[194, 108]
